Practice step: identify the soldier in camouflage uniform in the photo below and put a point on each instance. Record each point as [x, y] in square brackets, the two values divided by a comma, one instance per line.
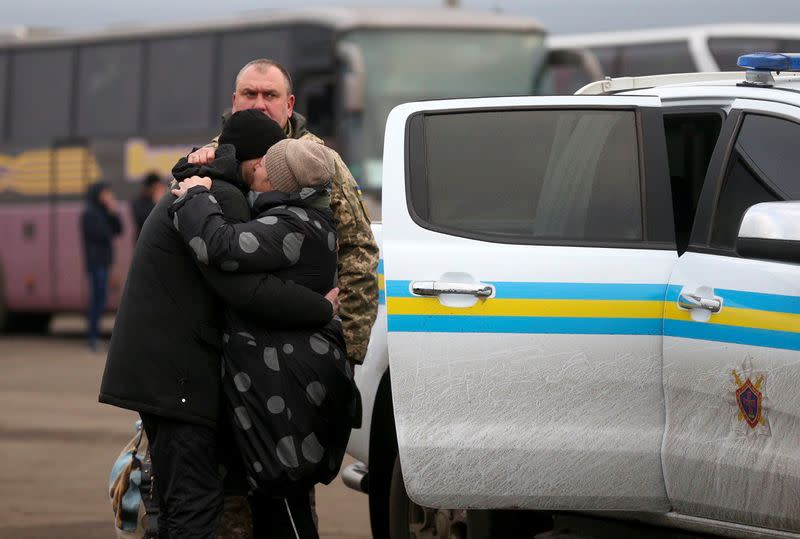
[261, 85]
[266, 85]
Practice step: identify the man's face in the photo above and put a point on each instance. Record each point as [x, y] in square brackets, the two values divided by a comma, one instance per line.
[105, 196]
[266, 91]
[157, 191]
[254, 173]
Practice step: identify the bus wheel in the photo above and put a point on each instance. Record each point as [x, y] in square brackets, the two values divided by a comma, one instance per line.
[29, 323]
[4, 318]
[408, 520]
[3, 310]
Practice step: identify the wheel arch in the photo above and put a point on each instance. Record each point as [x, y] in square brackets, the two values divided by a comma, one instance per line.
[382, 452]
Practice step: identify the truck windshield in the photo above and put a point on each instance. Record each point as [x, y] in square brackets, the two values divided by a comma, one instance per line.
[414, 65]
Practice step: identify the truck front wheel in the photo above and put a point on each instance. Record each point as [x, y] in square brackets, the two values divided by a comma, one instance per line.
[407, 520]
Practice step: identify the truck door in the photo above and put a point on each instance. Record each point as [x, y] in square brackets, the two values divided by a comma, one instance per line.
[528, 244]
[732, 339]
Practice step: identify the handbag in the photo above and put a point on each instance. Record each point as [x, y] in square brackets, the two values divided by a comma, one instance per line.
[131, 490]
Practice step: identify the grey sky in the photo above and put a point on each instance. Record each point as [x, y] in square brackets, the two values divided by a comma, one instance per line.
[558, 15]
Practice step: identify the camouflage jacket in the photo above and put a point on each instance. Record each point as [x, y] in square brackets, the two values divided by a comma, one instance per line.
[358, 251]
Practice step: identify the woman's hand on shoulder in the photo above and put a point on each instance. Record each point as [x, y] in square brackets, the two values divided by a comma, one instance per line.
[333, 297]
[188, 183]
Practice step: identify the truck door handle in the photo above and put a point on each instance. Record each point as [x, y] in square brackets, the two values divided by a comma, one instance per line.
[695, 301]
[437, 288]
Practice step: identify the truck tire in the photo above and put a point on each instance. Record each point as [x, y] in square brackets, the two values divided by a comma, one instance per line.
[382, 455]
[407, 520]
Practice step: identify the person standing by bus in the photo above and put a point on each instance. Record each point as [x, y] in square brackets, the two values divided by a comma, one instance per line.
[100, 223]
[152, 191]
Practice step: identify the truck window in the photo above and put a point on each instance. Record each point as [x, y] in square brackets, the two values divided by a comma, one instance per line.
[762, 168]
[522, 176]
[691, 138]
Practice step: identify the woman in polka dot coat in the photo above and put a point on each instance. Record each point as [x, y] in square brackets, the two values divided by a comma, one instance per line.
[290, 392]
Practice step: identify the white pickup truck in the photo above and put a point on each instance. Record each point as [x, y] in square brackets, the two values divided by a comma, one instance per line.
[592, 305]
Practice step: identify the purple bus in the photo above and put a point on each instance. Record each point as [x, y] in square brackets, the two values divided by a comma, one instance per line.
[118, 104]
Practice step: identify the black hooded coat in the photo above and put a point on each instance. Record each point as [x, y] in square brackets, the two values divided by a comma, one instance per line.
[98, 227]
[164, 357]
[290, 393]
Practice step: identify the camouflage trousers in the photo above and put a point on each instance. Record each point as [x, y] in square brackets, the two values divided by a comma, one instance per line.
[236, 521]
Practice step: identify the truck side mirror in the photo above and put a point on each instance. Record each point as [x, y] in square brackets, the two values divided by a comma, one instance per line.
[771, 231]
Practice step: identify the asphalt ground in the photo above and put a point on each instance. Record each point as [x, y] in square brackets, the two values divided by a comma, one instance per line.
[57, 444]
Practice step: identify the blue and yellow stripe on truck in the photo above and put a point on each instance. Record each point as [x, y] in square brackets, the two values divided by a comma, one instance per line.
[534, 308]
[750, 318]
[600, 309]
[381, 284]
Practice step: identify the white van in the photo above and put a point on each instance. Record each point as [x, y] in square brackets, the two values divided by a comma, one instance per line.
[666, 50]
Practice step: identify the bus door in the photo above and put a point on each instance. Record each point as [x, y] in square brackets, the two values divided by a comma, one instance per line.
[24, 214]
[70, 179]
[316, 98]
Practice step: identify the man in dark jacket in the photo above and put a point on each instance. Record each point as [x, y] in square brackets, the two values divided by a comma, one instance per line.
[99, 224]
[164, 360]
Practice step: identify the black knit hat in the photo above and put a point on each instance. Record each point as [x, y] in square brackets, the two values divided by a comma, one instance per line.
[251, 132]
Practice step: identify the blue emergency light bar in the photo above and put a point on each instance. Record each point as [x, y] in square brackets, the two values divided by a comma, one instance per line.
[770, 61]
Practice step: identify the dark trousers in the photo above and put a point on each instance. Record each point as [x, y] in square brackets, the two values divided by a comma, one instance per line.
[98, 285]
[187, 478]
[283, 518]
[272, 518]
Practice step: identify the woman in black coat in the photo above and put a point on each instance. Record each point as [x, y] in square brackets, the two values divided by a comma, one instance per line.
[290, 392]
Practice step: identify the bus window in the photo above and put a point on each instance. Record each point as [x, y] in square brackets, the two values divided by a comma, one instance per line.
[178, 93]
[108, 87]
[413, 65]
[567, 70]
[562, 79]
[726, 50]
[238, 48]
[608, 58]
[313, 49]
[655, 58]
[316, 100]
[42, 91]
[3, 86]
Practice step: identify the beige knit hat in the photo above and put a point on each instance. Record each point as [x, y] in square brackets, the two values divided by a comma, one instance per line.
[293, 164]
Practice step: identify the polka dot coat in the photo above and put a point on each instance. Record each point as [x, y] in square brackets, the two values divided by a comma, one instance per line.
[289, 390]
